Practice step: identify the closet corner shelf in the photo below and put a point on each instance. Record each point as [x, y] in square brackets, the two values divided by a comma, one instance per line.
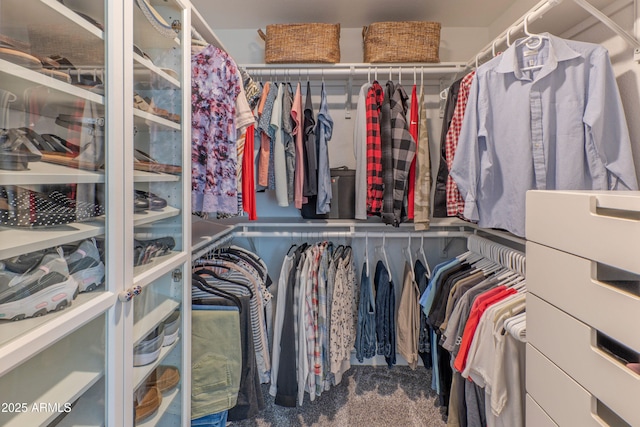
[146, 66]
[17, 79]
[207, 233]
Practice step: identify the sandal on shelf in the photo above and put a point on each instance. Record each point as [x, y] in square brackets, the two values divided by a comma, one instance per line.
[16, 56]
[147, 104]
[140, 103]
[144, 162]
[41, 144]
[62, 144]
[142, 53]
[84, 157]
[16, 151]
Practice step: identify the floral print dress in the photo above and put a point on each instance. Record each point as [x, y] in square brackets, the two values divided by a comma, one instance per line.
[215, 85]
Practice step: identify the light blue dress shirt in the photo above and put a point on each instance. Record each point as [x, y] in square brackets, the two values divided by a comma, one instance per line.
[557, 127]
[427, 297]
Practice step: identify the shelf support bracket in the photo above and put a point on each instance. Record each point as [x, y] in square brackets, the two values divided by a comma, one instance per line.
[631, 40]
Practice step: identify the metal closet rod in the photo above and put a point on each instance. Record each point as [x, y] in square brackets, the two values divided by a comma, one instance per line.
[351, 234]
[295, 70]
[539, 10]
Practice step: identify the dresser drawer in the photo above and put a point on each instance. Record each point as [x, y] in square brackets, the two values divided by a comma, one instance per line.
[601, 226]
[536, 416]
[562, 399]
[567, 282]
[573, 347]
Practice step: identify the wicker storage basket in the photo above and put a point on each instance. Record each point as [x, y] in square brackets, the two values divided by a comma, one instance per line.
[406, 41]
[301, 43]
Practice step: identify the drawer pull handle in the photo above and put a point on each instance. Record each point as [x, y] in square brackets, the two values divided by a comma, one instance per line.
[616, 206]
[616, 350]
[616, 278]
[604, 415]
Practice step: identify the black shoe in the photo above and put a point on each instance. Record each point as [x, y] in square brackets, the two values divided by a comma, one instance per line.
[155, 203]
[140, 204]
[145, 250]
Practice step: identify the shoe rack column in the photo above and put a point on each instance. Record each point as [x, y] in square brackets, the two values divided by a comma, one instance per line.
[157, 150]
[60, 146]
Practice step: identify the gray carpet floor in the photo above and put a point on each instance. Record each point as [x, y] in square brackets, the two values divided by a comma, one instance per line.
[367, 397]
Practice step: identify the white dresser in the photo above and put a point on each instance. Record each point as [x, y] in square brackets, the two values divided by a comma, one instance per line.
[583, 308]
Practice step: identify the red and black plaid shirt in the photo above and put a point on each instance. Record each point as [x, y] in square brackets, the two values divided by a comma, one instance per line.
[374, 99]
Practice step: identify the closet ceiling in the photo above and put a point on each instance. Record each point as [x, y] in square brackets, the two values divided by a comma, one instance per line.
[254, 14]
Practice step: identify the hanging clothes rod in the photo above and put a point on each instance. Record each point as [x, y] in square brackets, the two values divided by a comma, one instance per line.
[350, 234]
[539, 10]
[507, 257]
[346, 69]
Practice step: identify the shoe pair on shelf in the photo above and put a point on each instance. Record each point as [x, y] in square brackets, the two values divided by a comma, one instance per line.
[145, 250]
[149, 396]
[165, 334]
[144, 162]
[147, 104]
[85, 264]
[35, 285]
[16, 150]
[20, 207]
[144, 200]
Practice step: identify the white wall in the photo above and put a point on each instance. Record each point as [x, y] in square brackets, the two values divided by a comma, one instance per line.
[456, 44]
[627, 71]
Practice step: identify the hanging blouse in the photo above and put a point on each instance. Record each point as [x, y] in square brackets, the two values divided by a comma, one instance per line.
[215, 87]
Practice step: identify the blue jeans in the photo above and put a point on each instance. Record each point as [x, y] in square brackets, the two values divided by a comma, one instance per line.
[385, 314]
[366, 334]
[213, 420]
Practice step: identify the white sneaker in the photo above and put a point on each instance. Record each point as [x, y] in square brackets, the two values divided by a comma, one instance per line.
[85, 266]
[44, 288]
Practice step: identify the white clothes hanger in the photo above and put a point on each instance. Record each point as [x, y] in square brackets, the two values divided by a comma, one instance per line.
[410, 257]
[366, 251]
[509, 43]
[532, 42]
[424, 256]
[384, 254]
